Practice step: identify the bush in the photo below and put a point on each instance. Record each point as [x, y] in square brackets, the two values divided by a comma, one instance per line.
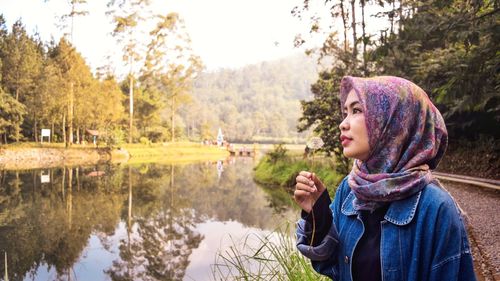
[144, 141]
[283, 172]
[278, 153]
[114, 138]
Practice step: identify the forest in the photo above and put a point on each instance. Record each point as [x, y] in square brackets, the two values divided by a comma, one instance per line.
[448, 47]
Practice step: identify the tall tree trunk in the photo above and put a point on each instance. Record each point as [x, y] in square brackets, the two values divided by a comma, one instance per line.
[172, 119]
[64, 130]
[63, 183]
[36, 127]
[131, 101]
[2, 177]
[401, 17]
[391, 16]
[344, 22]
[17, 127]
[70, 113]
[365, 66]
[77, 134]
[52, 131]
[354, 36]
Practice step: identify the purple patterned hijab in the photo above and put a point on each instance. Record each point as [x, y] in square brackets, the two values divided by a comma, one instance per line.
[407, 138]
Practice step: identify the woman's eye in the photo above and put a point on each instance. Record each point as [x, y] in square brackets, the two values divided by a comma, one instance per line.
[356, 110]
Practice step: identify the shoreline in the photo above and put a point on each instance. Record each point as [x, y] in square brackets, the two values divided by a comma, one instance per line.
[26, 157]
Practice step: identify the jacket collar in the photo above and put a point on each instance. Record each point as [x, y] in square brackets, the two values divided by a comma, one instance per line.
[400, 212]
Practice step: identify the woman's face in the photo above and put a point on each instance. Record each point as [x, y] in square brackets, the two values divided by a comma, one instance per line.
[354, 135]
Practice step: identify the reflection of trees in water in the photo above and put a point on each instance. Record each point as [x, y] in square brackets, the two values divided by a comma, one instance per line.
[163, 236]
[234, 197]
[158, 249]
[50, 223]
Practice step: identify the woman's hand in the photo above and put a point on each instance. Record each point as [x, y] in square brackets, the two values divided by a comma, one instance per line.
[308, 189]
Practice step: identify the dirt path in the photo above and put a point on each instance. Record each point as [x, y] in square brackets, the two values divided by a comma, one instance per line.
[482, 207]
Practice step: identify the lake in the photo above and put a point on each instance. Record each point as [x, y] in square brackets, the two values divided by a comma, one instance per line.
[132, 222]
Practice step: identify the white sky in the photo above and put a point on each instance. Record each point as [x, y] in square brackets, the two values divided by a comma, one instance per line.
[225, 33]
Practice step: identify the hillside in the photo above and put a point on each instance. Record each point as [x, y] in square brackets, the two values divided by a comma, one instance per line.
[254, 103]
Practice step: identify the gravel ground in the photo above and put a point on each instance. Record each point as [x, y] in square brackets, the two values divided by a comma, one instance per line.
[482, 208]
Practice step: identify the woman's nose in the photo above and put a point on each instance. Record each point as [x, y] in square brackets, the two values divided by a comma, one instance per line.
[344, 125]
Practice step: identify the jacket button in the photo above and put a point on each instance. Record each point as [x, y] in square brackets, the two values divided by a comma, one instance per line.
[346, 259]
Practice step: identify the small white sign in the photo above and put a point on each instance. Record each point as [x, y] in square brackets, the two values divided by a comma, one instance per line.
[44, 178]
[45, 132]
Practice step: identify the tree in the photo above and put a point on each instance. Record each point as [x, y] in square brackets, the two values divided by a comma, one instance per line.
[126, 17]
[11, 116]
[171, 63]
[323, 114]
[76, 82]
[110, 112]
[448, 48]
[75, 11]
[21, 64]
[52, 93]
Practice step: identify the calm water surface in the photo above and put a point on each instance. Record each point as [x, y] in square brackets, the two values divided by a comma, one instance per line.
[131, 222]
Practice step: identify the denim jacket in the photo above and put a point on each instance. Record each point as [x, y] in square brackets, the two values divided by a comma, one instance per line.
[423, 238]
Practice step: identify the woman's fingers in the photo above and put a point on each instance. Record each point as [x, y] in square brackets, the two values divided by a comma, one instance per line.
[305, 174]
[305, 178]
[303, 199]
[306, 191]
[300, 194]
[305, 187]
[317, 182]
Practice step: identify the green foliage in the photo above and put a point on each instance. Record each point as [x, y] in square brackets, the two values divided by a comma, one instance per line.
[270, 257]
[21, 65]
[255, 103]
[115, 137]
[11, 116]
[283, 172]
[144, 141]
[278, 153]
[324, 115]
[451, 50]
[478, 158]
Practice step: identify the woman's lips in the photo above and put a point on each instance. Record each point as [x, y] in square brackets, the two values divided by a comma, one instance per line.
[345, 140]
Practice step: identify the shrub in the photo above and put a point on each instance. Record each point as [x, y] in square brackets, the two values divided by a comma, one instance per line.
[144, 141]
[278, 153]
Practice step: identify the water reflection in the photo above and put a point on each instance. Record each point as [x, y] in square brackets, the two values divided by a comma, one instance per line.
[140, 222]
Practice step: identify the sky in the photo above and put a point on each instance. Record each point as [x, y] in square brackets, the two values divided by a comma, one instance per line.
[224, 33]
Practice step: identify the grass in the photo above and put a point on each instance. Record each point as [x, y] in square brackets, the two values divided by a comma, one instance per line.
[274, 256]
[270, 257]
[284, 171]
[60, 145]
[173, 152]
[176, 152]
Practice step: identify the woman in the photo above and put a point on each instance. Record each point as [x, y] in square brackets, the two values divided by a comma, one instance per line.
[390, 219]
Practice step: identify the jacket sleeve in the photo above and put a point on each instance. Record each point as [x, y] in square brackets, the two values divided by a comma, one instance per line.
[323, 254]
[452, 259]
